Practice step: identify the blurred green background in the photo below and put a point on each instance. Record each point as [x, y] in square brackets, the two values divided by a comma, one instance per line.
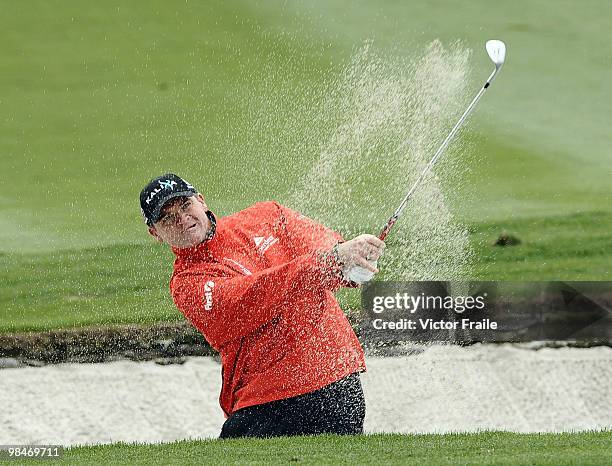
[98, 98]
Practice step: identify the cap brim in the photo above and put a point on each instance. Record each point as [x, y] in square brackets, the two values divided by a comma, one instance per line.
[157, 211]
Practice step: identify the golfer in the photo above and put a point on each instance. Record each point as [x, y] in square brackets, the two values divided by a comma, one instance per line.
[258, 285]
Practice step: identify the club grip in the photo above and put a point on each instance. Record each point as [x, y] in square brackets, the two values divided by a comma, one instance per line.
[385, 231]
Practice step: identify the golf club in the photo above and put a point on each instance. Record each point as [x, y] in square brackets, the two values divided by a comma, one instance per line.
[496, 50]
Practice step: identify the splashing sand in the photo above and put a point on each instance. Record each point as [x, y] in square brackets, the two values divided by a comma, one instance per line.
[387, 117]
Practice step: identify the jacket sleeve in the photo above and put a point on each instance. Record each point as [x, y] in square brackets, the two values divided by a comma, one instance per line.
[308, 235]
[305, 234]
[226, 308]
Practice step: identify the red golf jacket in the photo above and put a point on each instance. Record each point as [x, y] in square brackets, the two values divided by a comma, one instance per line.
[260, 291]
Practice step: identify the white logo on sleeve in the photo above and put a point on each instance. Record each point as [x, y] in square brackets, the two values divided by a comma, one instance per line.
[262, 244]
[208, 294]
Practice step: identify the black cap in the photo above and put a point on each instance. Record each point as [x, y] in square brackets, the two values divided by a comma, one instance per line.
[159, 191]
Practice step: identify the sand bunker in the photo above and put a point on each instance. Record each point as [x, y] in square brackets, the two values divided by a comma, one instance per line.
[442, 389]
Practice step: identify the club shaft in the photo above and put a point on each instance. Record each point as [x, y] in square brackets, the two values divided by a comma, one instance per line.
[398, 212]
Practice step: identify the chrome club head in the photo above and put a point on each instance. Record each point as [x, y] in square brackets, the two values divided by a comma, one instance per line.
[497, 52]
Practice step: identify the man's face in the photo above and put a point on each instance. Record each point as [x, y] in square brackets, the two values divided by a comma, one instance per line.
[183, 222]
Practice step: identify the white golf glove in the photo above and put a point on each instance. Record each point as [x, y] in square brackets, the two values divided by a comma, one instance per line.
[358, 274]
[357, 256]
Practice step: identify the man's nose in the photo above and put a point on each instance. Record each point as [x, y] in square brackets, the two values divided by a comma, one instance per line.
[182, 218]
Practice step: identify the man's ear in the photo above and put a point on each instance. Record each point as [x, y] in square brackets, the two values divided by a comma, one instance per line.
[154, 234]
[200, 198]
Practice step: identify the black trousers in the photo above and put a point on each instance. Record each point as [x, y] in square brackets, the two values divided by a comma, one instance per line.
[338, 408]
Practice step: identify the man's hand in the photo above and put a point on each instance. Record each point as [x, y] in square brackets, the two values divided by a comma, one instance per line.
[359, 257]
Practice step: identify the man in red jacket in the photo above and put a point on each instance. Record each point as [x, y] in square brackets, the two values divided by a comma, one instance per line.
[259, 286]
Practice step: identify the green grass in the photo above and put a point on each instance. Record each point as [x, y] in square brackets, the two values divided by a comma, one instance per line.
[572, 247]
[205, 88]
[482, 448]
[98, 100]
[85, 287]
